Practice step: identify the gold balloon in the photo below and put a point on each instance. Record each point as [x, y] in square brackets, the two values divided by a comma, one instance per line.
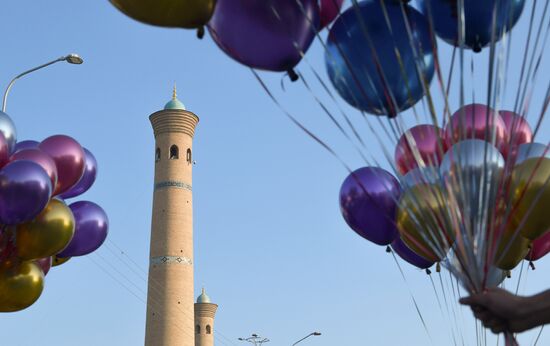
[168, 13]
[46, 235]
[531, 196]
[21, 284]
[516, 249]
[57, 261]
[419, 220]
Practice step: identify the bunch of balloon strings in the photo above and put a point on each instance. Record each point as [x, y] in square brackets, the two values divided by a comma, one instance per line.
[38, 229]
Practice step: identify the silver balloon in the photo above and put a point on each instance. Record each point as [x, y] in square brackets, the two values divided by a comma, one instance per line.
[531, 150]
[420, 175]
[7, 128]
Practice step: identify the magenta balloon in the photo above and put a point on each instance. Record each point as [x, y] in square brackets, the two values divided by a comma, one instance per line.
[519, 131]
[262, 33]
[368, 202]
[91, 228]
[25, 189]
[4, 151]
[477, 121]
[45, 264]
[400, 248]
[28, 144]
[329, 11]
[427, 139]
[88, 178]
[69, 159]
[539, 248]
[39, 157]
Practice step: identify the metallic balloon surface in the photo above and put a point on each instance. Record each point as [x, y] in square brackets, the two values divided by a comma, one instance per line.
[512, 248]
[400, 248]
[517, 127]
[45, 264]
[420, 220]
[539, 248]
[39, 157]
[57, 261]
[477, 19]
[4, 151]
[21, 284]
[27, 144]
[368, 202]
[376, 69]
[422, 145]
[25, 189]
[7, 128]
[531, 196]
[268, 35]
[168, 13]
[531, 150]
[329, 11]
[417, 176]
[69, 159]
[48, 234]
[92, 225]
[477, 121]
[88, 178]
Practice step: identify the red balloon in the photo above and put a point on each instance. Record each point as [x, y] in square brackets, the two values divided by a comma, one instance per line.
[45, 264]
[427, 139]
[519, 131]
[329, 10]
[477, 121]
[41, 158]
[539, 248]
[4, 151]
[69, 159]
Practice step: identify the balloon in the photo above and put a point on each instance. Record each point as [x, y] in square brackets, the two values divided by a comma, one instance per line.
[41, 158]
[512, 248]
[531, 150]
[168, 13]
[69, 159]
[531, 196]
[48, 234]
[362, 63]
[28, 144]
[57, 261]
[517, 127]
[4, 151]
[268, 35]
[91, 229]
[417, 176]
[45, 264]
[21, 284]
[329, 10]
[477, 121]
[419, 220]
[539, 248]
[478, 19]
[25, 189]
[427, 141]
[409, 255]
[7, 128]
[88, 178]
[368, 200]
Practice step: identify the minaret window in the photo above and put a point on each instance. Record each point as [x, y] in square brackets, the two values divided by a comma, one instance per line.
[189, 156]
[197, 329]
[208, 329]
[157, 155]
[174, 152]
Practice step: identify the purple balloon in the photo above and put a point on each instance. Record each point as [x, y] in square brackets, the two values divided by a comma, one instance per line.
[88, 178]
[250, 32]
[38, 156]
[28, 144]
[409, 255]
[91, 228]
[368, 202]
[25, 189]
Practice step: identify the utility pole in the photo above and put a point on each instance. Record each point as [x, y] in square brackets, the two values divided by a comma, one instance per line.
[255, 339]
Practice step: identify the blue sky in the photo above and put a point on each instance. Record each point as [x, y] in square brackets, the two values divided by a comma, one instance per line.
[270, 245]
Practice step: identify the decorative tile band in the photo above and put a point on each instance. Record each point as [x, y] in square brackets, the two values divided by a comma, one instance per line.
[172, 183]
[170, 260]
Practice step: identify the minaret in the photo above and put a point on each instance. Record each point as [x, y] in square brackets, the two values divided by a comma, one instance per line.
[205, 311]
[170, 310]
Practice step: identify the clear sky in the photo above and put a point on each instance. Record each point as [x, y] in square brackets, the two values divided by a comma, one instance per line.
[270, 245]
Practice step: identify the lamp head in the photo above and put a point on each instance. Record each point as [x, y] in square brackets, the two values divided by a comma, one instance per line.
[316, 333]
[74, 59]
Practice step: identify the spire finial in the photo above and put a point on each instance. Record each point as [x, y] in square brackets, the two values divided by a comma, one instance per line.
[203, 290]
[174, 92]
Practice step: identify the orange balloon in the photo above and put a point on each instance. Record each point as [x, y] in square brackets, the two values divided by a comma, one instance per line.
[21, 284]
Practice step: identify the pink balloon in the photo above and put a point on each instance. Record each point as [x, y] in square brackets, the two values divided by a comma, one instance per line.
[329, 10]
[45, 264]
[4, 151]
[477, 121]
[427, 139]
[41, 158]
[519, 131]
[69, 159]
[539, 248]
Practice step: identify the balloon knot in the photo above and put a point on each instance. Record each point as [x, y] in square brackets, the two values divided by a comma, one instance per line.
[508, 274]
[388, 249]
[532, 265]
[292, 75]
[438, 267]
[200, 32]
[428, 271]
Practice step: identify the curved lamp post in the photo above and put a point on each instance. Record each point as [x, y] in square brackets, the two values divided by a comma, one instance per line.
[71, 59]
[310, 334]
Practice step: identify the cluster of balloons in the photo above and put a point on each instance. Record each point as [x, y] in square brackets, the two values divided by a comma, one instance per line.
[37, 228]
[480, 180]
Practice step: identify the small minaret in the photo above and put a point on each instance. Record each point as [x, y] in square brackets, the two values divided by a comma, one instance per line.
[205, 311]
[170, 293]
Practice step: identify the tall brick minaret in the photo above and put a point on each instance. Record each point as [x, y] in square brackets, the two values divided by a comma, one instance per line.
[170, 303]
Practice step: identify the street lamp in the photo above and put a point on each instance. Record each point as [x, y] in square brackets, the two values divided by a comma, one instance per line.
[71, 59]
[255, 339]
[310, 334]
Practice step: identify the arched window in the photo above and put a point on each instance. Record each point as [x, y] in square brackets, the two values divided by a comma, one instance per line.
[174, 152]
[157, 155]
[208, 329]
[189, 156]
[197, 329]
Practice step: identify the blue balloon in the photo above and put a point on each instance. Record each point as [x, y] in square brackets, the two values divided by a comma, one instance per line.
[362, 62]
[478, 19]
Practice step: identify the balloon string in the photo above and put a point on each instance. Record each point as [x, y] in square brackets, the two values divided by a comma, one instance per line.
[538, 336]
[441, 308]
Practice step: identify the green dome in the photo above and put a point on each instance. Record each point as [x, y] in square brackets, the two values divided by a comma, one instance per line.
[203, 298]
[174, 103]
